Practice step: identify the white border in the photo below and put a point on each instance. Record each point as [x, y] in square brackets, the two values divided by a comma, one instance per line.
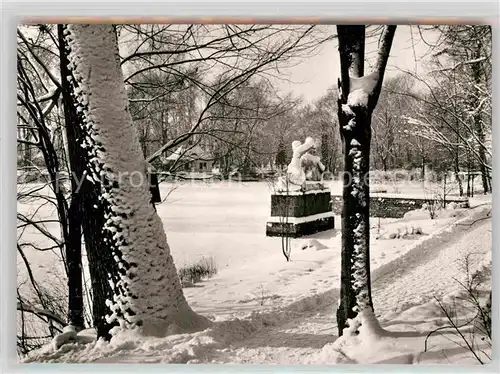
[334, 12]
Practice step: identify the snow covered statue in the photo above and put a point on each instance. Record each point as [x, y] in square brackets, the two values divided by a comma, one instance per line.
[301, 204]
[305, 166]
[312, 166]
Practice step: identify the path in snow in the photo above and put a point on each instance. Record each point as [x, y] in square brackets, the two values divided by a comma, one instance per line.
[415, 277]
[429, 271]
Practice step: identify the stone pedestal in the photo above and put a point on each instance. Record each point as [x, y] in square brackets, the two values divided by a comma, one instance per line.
[299, 213]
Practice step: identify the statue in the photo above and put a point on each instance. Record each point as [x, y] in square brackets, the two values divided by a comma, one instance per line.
[312, 166]
[304, 166]
[301, 196]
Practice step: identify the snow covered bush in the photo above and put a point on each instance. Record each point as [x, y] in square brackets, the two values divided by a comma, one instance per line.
[434, 208]
[405, 232]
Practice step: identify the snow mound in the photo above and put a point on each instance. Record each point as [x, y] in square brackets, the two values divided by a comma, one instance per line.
[364, 341]
[130, 343]
[420, 334]
[414, 215]
[312, 244]
[451, 212]
[68, 335]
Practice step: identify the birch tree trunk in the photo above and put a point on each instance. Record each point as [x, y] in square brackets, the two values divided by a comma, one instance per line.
[146, 288]
[358, 96]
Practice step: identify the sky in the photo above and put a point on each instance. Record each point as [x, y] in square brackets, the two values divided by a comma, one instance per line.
[314, 75]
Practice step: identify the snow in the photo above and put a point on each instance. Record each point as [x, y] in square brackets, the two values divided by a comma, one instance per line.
[357, 98]
[404, 336]
[360, 281]
[299, 192]
[347, 110]
[313, 244]
[69, 334]
[266, 310]
[297, 220]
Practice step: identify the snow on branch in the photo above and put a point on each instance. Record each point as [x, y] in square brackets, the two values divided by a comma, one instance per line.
[51, 95]
[427, 130]
[23, 307]
[459, 64]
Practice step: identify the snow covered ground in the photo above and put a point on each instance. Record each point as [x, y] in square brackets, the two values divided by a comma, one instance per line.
[267, 310]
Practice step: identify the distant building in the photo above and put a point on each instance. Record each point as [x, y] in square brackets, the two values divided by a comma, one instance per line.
[190, 158]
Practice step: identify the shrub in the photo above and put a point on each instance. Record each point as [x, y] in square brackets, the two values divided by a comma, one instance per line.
[468, 316]
[41, 313]
[203, 269]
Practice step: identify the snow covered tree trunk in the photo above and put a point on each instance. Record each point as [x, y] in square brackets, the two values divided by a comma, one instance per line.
[358, 95]
[146, 288]
[85, 196]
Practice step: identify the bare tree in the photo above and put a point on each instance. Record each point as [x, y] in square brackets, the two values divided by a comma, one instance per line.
[470, 47]
[358, 96]
[443, 117]
[387, 121]
[232, 59]
[456, 101]
[36, 114]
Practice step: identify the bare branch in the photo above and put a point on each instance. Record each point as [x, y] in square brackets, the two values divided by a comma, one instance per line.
[40, 62]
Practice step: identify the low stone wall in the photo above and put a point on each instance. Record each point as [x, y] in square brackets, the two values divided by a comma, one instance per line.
[393, 207]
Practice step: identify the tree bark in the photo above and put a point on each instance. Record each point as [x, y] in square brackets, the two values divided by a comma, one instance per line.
[456, 169]
[102, 267]
[358, 96]
[422, 167]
